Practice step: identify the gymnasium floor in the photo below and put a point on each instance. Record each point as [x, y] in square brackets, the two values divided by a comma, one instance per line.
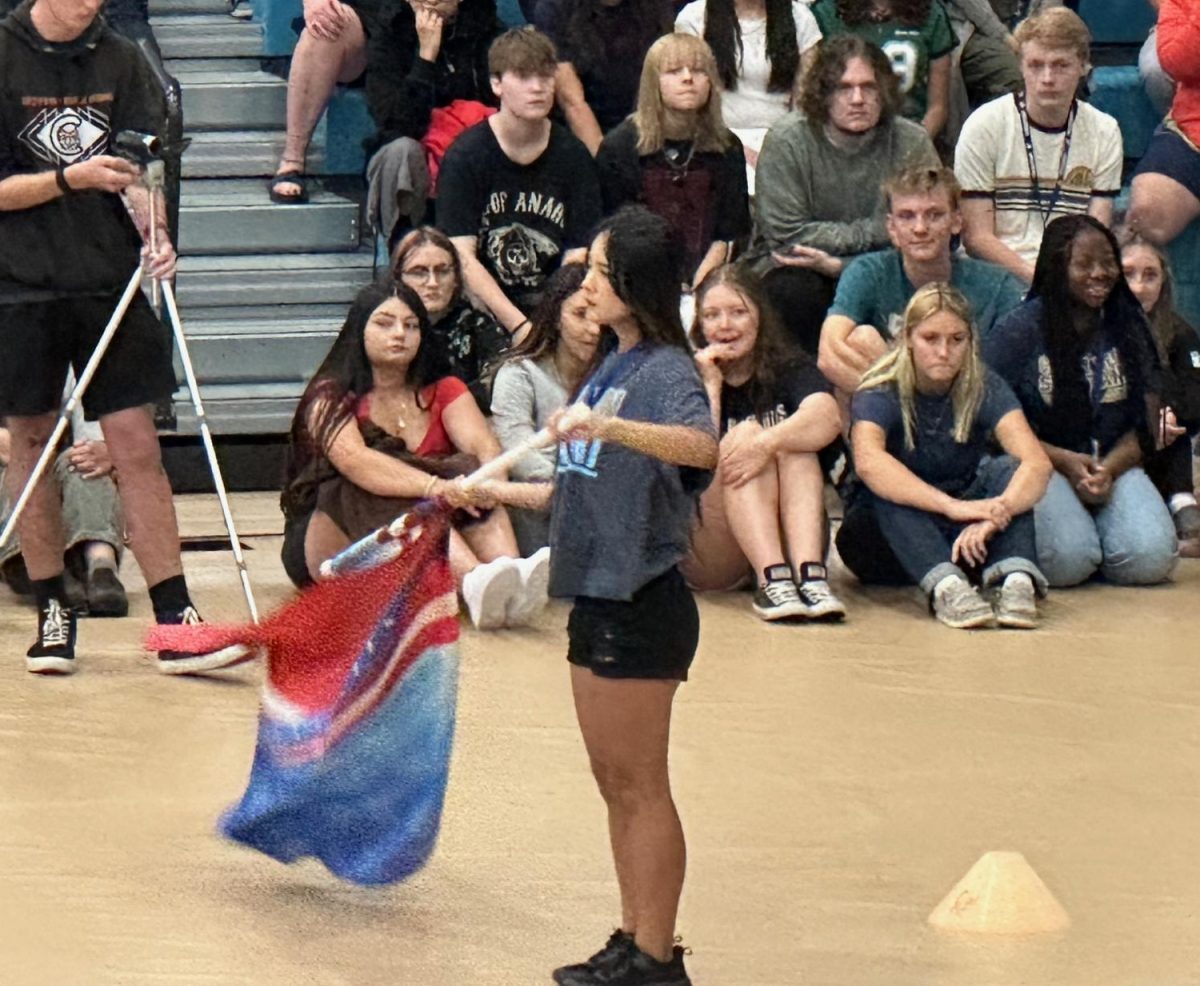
[835, 782]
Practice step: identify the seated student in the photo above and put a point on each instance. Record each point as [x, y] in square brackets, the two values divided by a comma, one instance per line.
[763, 516]
[1166, 185]
[1078, 356]
[422, 57]
[936, 507]
[676, 157]
[819, 201]
[518, 194]
[535, 380]
[868, 309]
[762, 48]
[917, 38]
[463, 341]
[1178, 349]
[332, 48]
[94, 526]
[1024, 159]
[375, 433]
[987, 60]
[601, 45]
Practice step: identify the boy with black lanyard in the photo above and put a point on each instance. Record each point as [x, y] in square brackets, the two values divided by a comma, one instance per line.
[1027, 158]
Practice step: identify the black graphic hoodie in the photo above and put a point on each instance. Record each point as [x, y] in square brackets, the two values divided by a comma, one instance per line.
[61, 103]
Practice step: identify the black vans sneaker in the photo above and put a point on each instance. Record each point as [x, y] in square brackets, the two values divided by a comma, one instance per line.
[584, 973]
[54, 650]
[633, 967]
[189, 662]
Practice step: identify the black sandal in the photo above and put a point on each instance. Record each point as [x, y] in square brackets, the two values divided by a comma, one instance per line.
[297, 178]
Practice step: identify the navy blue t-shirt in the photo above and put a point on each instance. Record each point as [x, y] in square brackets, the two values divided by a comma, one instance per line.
[620, 518]
[936, 457]
[1016, 350]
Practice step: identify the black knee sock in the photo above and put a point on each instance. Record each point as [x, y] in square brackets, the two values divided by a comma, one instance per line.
[46, 589]
[169, 597]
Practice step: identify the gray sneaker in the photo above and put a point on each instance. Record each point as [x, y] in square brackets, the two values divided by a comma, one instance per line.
[816, 596]
[958, 604]
[776, 597]
[1015, 604]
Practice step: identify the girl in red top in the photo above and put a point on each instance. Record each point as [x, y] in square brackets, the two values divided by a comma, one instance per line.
[1166, 186]
[374, 434]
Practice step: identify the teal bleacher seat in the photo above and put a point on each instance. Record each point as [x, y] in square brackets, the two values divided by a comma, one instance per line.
[1118, 91]
[1117, 21]
[277, 18]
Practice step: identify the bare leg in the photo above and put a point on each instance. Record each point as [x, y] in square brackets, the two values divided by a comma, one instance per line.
[492, 539]
[802, 493]
[145, 492]
[753, 512]
[322, 540]
[1161, 208]
[317, 67]
[40, 526]
[626, 725]
[716, 562]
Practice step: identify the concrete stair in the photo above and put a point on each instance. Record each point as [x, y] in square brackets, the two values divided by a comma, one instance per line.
[263, 288]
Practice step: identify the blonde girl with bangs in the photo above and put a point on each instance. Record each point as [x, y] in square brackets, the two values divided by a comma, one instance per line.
[675, 156]
[933, 507]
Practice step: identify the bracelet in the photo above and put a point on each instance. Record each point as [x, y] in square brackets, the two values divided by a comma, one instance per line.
[60, 177]
[518, 327]
[429, 487]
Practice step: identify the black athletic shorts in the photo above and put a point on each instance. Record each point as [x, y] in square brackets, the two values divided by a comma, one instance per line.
[653, 635]
[39, 339]
[1171, 155]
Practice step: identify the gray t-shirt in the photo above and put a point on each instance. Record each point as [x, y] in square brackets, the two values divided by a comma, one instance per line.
[620, 518]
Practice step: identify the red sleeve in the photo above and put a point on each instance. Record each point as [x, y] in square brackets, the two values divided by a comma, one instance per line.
[1179, 41]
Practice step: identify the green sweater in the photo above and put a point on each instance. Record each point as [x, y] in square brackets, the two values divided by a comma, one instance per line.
[810, 193]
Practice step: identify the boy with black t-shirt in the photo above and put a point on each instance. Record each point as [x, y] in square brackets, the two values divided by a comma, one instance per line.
[73, 221]
[517, 194]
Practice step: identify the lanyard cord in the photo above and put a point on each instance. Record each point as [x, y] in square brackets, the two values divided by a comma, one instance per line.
[1031, 157]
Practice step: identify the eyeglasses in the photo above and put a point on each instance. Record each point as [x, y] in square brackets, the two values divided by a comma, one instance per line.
[419, 275]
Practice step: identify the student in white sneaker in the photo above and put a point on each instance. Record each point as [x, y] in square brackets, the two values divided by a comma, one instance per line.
[374, 434]
[936, 506]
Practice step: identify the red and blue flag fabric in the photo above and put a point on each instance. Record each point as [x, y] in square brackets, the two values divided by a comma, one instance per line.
[357, 717]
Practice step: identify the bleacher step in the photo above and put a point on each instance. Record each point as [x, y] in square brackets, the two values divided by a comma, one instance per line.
[300, 279]
[241, 153]
[277, 350]
[161, 8]
[206, 36]
[222, 97]
[234, 410]
[237, 216]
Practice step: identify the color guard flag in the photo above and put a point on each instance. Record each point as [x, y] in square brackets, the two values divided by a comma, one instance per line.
[357, 716]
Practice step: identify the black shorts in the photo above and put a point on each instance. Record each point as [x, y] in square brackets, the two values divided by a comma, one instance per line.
[1171, 155]
[653, 635]
[39, 340]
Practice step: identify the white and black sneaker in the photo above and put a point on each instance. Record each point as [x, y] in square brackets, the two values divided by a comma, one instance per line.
[776, 597]
[54, 650]
[817, 598]
[190, 662]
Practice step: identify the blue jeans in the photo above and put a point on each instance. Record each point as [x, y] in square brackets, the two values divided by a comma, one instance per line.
[922, 541]
[1130, 540]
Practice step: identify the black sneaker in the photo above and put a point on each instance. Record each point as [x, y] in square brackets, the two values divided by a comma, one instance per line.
[74, 594]
[105, 594]
[816, 596]
[633, 967]
[776, 597]
[54, 650]
[584, 973]
[189, 662]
